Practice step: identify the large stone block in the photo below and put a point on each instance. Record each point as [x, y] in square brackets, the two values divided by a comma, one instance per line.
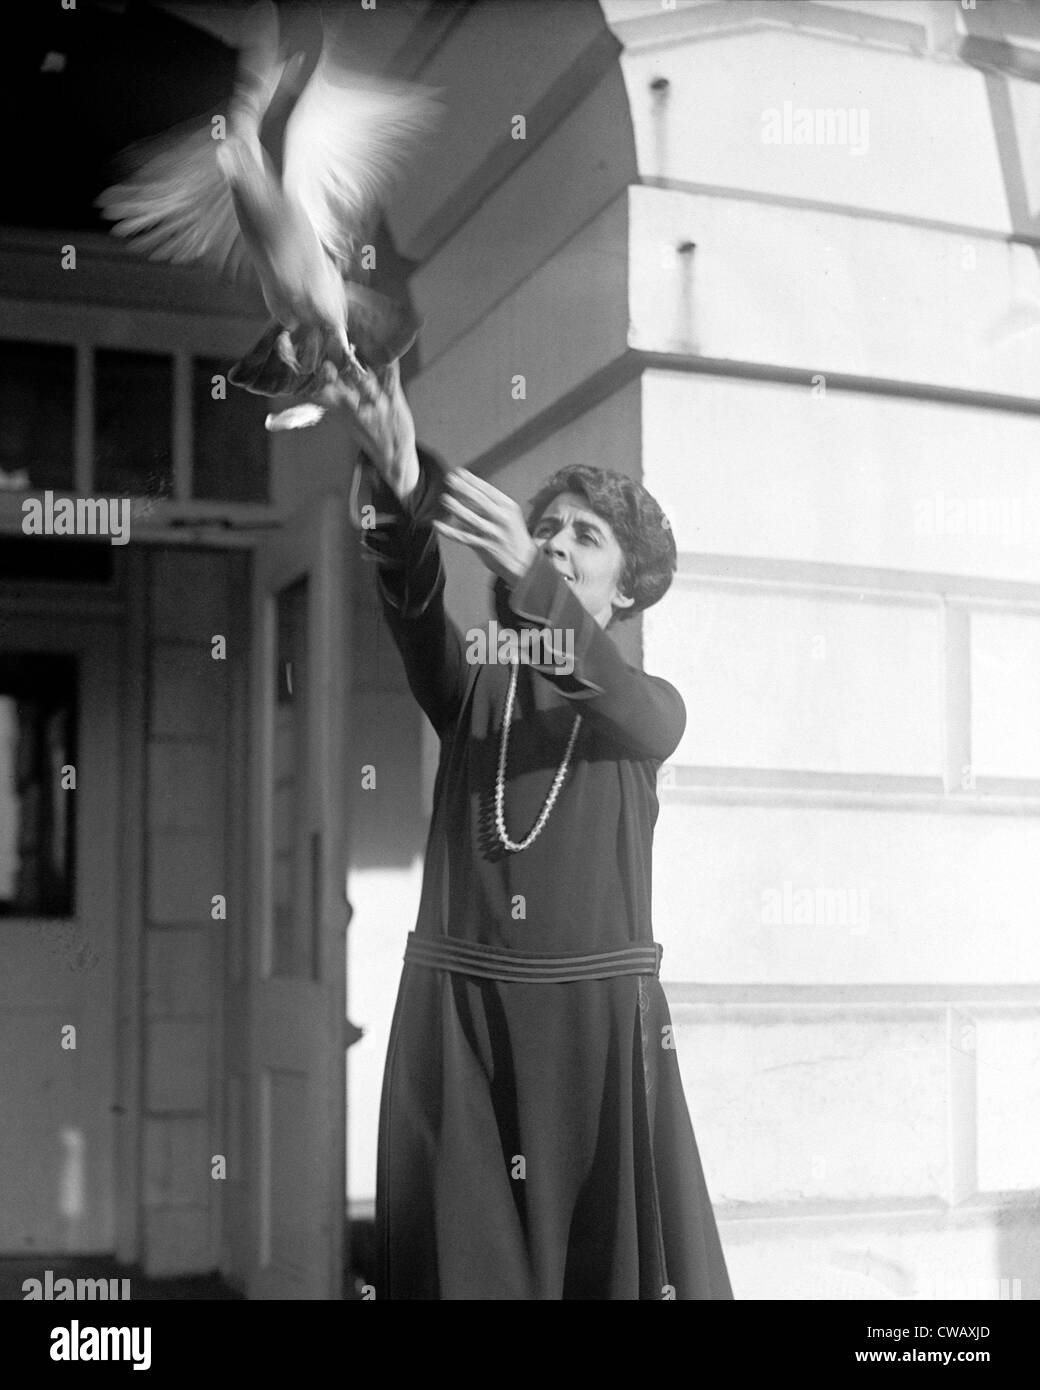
[910, 1255]
[759, 471]
[1007, 1047]
[784, 678]
[793, 1106]
[922, 116]
[1005, 694]
[834, 294]
[822, 893]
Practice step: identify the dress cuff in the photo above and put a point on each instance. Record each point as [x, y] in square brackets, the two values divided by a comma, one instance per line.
[540, 594]
[389, 541]
[404, 543]
[541, 598]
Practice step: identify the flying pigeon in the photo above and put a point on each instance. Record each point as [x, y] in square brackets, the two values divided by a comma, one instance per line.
[214, 195]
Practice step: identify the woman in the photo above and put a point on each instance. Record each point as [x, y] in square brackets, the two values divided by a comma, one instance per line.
[534, 1141]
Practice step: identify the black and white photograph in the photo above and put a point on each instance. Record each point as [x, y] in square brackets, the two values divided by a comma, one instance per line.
[520, 662]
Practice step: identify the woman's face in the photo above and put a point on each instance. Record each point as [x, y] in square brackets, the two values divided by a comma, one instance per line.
[583, 547]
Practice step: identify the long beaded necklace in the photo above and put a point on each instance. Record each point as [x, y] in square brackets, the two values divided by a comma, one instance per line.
[500, 779]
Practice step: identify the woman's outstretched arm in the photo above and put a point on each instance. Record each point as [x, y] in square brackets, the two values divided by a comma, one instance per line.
[411, 591]
[406, 484]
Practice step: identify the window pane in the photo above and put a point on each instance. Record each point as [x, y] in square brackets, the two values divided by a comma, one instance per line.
[37, 415]
[133, 423]
[230, 444]
[37, 815]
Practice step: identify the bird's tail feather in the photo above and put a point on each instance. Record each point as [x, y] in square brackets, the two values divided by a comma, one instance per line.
[289, 362]
[382, 329]
[285, 362]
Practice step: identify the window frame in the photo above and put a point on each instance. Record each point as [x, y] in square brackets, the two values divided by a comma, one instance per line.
[89, 328]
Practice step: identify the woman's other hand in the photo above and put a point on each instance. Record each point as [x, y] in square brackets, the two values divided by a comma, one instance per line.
[490, 523]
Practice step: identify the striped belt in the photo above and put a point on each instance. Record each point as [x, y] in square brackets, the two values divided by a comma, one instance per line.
[492, 963]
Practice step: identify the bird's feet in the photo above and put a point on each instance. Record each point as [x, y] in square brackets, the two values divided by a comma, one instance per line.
[285, 350]
[352, 363]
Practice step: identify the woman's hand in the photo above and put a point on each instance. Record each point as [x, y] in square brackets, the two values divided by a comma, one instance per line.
[379, 419]
[489, 522]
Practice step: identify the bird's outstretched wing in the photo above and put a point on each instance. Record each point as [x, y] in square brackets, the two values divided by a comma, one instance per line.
[177, 206]
[346, 140]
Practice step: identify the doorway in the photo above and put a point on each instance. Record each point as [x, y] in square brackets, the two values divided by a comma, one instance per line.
[60, 777]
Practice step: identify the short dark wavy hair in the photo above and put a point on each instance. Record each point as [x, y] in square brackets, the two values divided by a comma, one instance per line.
[642, 530]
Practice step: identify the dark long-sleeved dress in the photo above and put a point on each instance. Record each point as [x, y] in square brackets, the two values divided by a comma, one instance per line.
[534, 1140]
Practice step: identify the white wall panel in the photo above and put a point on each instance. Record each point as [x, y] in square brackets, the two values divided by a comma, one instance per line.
[754, 469]
[930, 152]
[884, 1256]
[788, 680]
[1005, 694]
[794, 1109]
[823, 894]
[824, 292]
[1008, 1081]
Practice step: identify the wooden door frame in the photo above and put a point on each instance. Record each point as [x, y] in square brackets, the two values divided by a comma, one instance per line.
[129, 1023]
[326, 513]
